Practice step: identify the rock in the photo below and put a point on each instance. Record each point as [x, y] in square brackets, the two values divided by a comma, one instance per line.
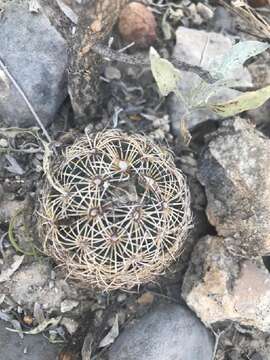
[137, 24]
[219, 286]
[234, 169]
[9, 209]
[112, 73]
[168, 332]
[121, 298]
[31, 347]
[36, 56]
[70, 324]
[223, 21]
[204, 11]
[68, 305]
[190, 47]
[146, 298]
[31, 284]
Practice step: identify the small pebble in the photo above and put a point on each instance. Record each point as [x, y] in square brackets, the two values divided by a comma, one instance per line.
[137, 24]
[121, 297]
[205, 12]
[70, 324]
[146, 299]
[68, 305]
[112, 73]
[3, 143]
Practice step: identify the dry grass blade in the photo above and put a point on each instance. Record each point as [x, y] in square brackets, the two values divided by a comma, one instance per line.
[115, 210]
[257, 25]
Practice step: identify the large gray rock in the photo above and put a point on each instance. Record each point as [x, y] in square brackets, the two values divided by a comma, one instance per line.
[168, 332]
[36, 56]
[219, 286]
[31, 347]
[235, 171]
[198, 47]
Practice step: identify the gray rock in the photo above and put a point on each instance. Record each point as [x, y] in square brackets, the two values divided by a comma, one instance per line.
[36, 56]
[168, 332]
[192, 46]
[31, 347]
[235, 171]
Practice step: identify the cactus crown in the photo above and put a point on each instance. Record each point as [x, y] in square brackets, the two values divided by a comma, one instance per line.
[115, 210]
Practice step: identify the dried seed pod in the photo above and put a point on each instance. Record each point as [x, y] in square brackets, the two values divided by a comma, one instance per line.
[137, 23]
[115, 210]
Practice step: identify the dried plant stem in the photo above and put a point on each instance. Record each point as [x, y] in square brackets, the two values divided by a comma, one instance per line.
[23, 95]
[111, 54]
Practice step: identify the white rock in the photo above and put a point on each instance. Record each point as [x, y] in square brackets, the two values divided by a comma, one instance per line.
[219, 286]
[192, 46]
[68, 305]
[205, 11]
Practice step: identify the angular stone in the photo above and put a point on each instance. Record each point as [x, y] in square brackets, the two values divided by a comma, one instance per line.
[168, 332]
[31, 347]
[235, 171]
[192, 46]
[36, 56]
[218, 286]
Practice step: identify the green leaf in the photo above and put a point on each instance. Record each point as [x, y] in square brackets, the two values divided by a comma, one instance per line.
[237, 56]
[166, 75]
[247, 101]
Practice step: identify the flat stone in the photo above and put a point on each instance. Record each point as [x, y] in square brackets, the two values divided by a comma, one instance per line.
[235, 171]
[219, 286]
[31, 347]
[36, 56]
[192, 46]
[168, 332]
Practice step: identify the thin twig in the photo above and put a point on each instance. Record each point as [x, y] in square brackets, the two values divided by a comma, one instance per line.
[142, 60]
[21, 92]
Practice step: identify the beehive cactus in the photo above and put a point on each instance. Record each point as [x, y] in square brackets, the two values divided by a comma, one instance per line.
[115, 210]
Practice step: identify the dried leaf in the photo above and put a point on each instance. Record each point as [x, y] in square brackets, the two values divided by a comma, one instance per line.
[6, 274]
[14, 166]
[86, 351]
[165, 74]
[165, 25]
[42, 327]
[236, 57]
[17, 326]
[112, 334]
[247, 101]
[38, 313]
[4, 316]
[68, 11]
